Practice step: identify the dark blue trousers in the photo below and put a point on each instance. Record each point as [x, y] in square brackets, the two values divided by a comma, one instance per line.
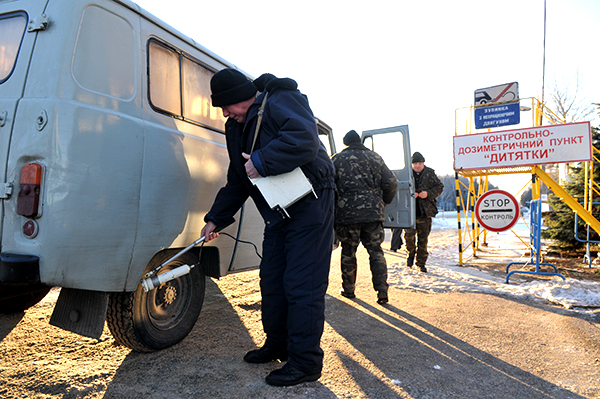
[396, 242]
[294, 275]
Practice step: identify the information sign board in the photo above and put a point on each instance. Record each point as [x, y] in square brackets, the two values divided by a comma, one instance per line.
[497, 106]
[497, 115]
[500, 93]
[571, 142]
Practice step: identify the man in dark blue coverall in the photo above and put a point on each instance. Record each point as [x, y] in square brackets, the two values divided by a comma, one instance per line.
[297, 249]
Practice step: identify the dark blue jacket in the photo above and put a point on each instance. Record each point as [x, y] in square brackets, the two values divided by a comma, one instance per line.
[288, 138]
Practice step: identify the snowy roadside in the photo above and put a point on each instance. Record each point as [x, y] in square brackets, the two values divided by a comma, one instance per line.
[445, 275]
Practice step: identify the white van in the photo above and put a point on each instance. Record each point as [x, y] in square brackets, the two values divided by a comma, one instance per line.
[111, 156]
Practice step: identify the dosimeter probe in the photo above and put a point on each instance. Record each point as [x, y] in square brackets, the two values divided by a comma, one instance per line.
[153, 280]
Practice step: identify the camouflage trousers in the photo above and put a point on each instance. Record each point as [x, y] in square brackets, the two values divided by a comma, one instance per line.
[371, 235]
[423, 228]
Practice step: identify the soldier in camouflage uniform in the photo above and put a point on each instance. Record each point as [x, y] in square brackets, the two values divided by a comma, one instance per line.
[427, 188]
[364, 186]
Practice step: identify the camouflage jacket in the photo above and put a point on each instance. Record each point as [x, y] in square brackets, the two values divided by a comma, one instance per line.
[364, 184]
[428, 181]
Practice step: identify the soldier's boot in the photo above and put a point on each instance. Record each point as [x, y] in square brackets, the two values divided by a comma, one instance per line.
[382, 297]
[347, 294]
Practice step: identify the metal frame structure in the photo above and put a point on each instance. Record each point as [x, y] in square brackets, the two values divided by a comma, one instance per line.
[472, 235]
[535, 237]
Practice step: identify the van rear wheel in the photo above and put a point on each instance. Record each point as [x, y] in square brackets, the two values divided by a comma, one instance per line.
[157, 319]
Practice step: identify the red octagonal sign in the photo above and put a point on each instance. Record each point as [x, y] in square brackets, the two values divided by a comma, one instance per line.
[497, 210]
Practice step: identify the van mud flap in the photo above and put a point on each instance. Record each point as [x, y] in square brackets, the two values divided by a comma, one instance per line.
[80, 311]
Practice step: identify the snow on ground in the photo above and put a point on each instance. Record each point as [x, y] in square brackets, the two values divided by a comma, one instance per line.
[445, 274]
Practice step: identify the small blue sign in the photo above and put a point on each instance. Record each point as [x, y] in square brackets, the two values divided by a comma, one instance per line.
[497, 115]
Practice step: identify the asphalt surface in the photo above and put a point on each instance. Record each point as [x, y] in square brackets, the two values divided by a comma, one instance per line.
[421, 345]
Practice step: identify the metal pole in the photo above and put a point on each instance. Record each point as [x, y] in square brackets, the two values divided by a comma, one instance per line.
[543, 63]
[458, 210]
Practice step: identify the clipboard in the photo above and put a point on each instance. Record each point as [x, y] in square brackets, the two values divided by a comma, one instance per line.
[282, 191]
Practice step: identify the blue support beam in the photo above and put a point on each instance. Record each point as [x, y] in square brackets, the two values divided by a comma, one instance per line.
[535, 236]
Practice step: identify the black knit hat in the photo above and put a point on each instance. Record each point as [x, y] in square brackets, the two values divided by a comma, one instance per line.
[230, 86]
[351, 137]
[417, 157]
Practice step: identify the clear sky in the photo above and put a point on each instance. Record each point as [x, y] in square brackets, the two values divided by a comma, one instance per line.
[373, 64]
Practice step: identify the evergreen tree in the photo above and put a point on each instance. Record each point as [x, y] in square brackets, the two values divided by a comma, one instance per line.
[560, 221]
[447, 200]
[526, 197]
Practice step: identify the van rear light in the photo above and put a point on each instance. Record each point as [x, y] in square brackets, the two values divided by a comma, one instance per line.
[29, 196]
[30, 228]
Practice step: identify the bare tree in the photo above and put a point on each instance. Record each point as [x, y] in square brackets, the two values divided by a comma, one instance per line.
[568, 105]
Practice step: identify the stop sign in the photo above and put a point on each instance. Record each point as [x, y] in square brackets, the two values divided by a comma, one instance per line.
[497, 210]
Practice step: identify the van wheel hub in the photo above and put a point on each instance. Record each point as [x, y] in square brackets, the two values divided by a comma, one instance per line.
[169, 295]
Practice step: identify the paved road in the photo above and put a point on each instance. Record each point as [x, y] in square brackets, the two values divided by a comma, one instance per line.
[422, 345]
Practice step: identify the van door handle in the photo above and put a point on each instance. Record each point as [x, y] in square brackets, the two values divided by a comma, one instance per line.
[3, 118]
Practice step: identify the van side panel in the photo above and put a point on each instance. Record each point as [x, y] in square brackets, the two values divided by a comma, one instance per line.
[252, 230]
[122, 180]
[180, 178]
[184, 165]
[91, 147]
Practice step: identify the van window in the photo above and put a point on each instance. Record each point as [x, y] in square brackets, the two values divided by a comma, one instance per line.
[390, 147]
[104, 58]
[164, 79]
[180, 86]
[12, 29]
[196, 95]
[325, 141]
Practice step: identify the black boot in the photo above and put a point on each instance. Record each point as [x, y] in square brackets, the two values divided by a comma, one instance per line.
[289, 375]
[266, 355]
[382, 297]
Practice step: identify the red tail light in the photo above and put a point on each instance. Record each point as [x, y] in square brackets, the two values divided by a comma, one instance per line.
[29, 196]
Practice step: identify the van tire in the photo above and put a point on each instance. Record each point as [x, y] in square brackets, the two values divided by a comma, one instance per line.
[160, 318]
[15, 298]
